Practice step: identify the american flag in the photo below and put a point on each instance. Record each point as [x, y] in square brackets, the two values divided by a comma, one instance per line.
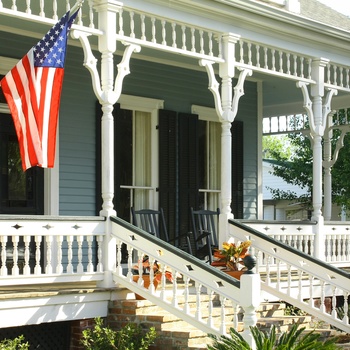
[33, 90]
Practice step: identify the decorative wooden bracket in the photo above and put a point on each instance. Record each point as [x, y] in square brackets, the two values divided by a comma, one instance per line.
[214, 88]
[90, 62]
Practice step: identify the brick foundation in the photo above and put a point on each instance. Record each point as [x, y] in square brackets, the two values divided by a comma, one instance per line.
[77, 328]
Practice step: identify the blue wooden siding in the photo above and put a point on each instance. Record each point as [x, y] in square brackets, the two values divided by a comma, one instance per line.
[179, 88]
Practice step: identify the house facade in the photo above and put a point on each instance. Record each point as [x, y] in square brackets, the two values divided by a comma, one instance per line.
[162, 106]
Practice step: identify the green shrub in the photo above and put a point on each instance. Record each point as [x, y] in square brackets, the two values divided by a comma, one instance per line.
[130, 337]
[14, 344]
[292, 340]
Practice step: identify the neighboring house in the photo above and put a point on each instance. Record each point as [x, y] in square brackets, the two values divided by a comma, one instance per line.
[161, 137]
[279, 209]
[283, 209]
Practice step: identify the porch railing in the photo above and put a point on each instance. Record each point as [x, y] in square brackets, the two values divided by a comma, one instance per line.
[43, 249]
[192, 279]
[301, 236]
[297, 278]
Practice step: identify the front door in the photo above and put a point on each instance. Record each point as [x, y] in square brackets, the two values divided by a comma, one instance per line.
[20, 192]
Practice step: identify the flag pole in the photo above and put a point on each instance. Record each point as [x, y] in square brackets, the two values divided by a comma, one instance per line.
[76, 7]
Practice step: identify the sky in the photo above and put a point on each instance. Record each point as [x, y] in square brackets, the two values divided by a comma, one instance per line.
[342, 6]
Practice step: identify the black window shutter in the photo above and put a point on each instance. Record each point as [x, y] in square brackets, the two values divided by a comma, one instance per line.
[123, 160]
[167, 128]
[237, 169]
[188, 168]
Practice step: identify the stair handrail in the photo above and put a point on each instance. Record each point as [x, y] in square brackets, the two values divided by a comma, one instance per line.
[277, 258]
[205, 279]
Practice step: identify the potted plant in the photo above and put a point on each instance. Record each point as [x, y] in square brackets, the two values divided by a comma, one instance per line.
[231, 256]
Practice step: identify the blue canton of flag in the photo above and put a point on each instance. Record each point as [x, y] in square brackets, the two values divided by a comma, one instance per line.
[50, 51]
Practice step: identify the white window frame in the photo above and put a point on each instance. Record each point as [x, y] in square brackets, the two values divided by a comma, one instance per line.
[152, 106]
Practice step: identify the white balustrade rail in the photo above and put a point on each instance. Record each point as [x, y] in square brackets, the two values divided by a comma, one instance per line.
[337, 76]
[300, 235]
[169, 35]
[273, 60]
[49, 11]
[43, 249]
[297, 278]
[337, 236]
[197, 280]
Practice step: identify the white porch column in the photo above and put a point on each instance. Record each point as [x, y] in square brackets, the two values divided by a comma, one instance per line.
[317, 128]
[327, 157]
[107, 45]
[107, 10]
[226, 72]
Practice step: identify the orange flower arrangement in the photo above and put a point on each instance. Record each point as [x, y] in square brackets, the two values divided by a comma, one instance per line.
[231, 254]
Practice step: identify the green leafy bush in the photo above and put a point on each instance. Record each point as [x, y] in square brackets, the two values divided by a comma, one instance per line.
[14, 344]
[130, 337]
[292, 340]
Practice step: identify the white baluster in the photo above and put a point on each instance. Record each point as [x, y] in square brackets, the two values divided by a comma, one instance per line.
[322, 300]
[186, 308]
[335, 77]
[15, 269]
[328, 73]
[80, 17]
[67, 6]
[173, 34]
[346, 308]
[241, 51]
[312, 245]
[339, 248]
[334, 303]
[132, 25]
[341, 77]
[143, 27]
[278, 272]
[250, 53]
[99, 268]
[265, 58]
[309, 68]
[3, 240]
[201, 42]
[54, 6]
[289, 279]
[70, 240]
[295, 65]
[222, 315]
[273, 51]
[183, 29]
[300, 285]
[59, 267]
[90, 266]
[26, 267]
[347, 78]
[193, 40]
[42, 12]
[210, 321]
[333, 250]
[258, 56]
[1, 5]
[198, 314]
[281, 61]
[153, 20]
[14, 6]
[121, 22]
[302, 67]
[37, 269]
[288, 62]
[80, 240]
[28, 9]
[210, 37]
[163, 32]
[311, 291]
[91, 14]
[48, 268]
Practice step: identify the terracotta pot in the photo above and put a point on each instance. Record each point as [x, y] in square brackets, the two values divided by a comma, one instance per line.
[236, 274]
[146, 283]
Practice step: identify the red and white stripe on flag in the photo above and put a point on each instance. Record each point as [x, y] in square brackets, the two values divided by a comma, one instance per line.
[33, 92]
